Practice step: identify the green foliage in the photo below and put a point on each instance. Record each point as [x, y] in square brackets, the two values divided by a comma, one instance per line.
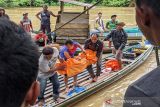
[116, 3]
[36, 3]
[25, 3]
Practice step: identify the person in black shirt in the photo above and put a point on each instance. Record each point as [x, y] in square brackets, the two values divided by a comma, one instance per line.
[94, 44]
[145, 92]
[119, 38]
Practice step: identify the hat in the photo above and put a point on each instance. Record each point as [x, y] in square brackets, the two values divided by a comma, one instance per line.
[25, 14]
[99, 12]
[121, 24]
[113, 16]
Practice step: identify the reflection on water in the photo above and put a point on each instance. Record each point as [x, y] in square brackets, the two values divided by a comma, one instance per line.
[124, 14]
[114, 93]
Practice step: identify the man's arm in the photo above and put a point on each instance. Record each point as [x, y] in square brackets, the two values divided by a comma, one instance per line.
[54, 69]
[107, 25]
[86, 44]
[37, 15]
[31, 25]
[53, 14]
[79, 46]
[21, 23]
[66, 54]
[109, 36]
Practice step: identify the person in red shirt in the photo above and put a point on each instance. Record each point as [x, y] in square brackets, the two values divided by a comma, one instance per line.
[41, 39]
[26, 23]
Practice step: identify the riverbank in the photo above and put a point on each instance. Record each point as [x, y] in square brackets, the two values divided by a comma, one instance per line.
[126, 15]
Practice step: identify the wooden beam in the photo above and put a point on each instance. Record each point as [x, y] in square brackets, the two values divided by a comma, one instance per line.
[76, 3]
[62, 6]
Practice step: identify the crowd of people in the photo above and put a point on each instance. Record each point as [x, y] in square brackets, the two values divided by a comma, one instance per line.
[24, 74]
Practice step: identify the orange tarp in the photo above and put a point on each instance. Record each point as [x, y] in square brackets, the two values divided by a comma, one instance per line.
[113, 64]
[77, 64]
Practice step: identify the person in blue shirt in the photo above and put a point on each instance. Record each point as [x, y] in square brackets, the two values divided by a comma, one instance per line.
[68, 51]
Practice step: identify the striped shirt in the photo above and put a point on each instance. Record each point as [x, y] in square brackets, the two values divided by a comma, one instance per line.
[26, 24]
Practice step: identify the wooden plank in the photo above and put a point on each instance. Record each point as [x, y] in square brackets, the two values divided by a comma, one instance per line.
[77, 39]
[83, 19]
[73, 25]
[63, 41]
[72, 35]
[77, 3]
[74, 14]
[72, 32]
[69, 37]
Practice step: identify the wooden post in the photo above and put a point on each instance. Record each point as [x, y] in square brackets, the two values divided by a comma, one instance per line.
[157, 56]
[62, 6]
[87, 11]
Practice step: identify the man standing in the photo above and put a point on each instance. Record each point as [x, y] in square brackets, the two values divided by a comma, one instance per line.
[95, 44]
[111, 25]
[119, 38]
[26, 24]
[44, 17]
[47, 70]
[145, 92]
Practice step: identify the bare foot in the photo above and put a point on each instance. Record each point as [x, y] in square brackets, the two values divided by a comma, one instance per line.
[66, 90]
[41, 103]
[92, 81]
[58, 100]
[95, 79]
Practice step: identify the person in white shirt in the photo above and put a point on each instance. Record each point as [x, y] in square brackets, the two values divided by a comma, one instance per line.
[99, 24]
[47, 70]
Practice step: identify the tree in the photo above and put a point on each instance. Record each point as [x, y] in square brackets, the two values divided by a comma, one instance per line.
[32, 2]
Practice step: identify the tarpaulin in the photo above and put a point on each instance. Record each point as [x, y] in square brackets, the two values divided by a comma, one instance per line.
[113, 64]
[77, 64]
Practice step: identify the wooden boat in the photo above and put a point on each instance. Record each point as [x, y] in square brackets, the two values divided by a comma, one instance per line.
[104, 80]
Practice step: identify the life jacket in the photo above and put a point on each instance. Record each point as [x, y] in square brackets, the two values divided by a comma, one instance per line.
[113, 64]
